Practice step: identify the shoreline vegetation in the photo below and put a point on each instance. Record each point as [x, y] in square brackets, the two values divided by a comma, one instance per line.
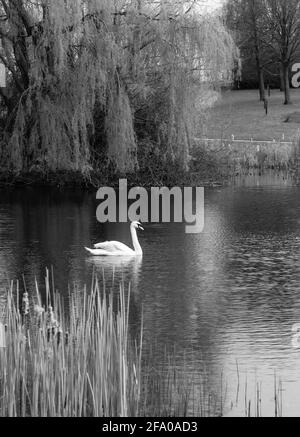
[75, 180]
[228, 137]
[205, 173]
[77, 357]
[223, 161]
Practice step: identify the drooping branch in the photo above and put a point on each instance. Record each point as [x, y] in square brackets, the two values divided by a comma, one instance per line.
[11, 68]
[90, 71]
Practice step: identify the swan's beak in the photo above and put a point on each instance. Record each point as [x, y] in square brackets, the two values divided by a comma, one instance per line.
[139, 226]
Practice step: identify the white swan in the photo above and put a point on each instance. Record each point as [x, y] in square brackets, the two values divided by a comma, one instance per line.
[115, 248]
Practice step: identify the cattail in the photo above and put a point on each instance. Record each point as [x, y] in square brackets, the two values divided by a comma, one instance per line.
[25, 304]
[39, 311]
[59, 335]
[53, 326]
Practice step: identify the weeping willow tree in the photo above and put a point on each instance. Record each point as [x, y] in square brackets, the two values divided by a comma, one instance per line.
[141, 64]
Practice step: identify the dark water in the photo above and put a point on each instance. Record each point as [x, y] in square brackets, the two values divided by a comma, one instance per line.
[226, 298]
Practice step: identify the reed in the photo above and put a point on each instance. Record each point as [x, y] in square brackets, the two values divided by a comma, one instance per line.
[174, 388]
[68, 363]
[75, 357]
[236, 155]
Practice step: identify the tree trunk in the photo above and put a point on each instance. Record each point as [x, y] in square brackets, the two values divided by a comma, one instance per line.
[281, 78]
[261, 84]
[287, 94]
[260, 73]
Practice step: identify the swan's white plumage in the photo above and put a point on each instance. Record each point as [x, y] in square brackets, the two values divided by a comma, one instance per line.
[111, 246]
[116, 248]
[103, 252]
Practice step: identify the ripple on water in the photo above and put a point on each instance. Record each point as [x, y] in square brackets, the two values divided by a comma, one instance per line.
[228, 295]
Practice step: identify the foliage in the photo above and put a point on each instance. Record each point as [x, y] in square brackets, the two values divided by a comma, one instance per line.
[283, 25]
[89, 80]
[268, 34]
[246, 19]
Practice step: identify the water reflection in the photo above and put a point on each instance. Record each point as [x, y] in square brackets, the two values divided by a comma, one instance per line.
[117, 269]
[263, 178]
[226, 298]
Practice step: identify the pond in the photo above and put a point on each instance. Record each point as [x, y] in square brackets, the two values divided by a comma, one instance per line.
[224, 300]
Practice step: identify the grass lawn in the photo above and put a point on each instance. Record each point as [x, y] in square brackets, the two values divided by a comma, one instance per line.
[240, 113]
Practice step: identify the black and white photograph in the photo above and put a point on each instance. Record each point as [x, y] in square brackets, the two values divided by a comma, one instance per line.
[149, 211]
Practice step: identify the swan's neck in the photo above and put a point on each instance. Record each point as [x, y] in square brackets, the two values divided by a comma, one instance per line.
[135, 242]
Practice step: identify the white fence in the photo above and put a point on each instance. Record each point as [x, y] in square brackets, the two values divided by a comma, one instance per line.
[250, 142]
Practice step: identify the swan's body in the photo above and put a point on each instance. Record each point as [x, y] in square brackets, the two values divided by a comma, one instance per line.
[115, 248]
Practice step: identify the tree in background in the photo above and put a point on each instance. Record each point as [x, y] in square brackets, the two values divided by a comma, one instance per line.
[283, 24]
[269, 32]
[91, 80]
[246, 19]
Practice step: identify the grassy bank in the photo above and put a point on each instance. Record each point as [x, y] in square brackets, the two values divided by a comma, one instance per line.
[240, 113]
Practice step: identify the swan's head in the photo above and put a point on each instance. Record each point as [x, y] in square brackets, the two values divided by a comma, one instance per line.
[136, 225]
